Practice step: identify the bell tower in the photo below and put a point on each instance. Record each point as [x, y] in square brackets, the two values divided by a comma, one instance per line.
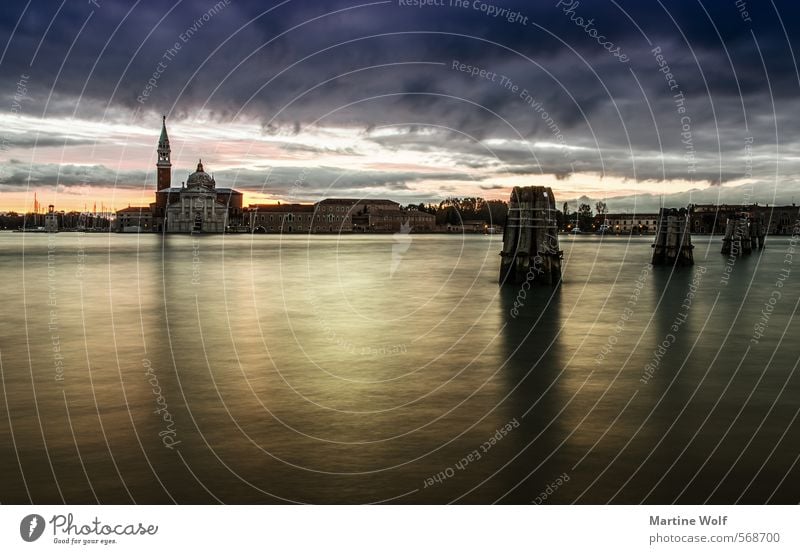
[164, 165]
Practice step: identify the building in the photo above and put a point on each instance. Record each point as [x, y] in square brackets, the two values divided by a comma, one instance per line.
[280, 218]
[51, 220]
[135, 219]
[706, 219]
[384, 216]
[419, 222]
[197, 206]
[712, 218]
[626, 224]
[468, 226]
[357, 214]
[336, 215]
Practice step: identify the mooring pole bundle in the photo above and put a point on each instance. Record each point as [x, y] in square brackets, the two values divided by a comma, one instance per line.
[743, 232]
[530, 238]
[673, 244]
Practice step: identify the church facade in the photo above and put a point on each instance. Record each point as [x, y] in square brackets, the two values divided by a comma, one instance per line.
[197, 206]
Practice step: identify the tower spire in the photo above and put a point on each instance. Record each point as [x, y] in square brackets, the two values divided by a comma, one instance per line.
[164, 139]
[164, 165]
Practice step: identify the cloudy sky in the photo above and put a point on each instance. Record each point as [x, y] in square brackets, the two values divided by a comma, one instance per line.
[632, 101]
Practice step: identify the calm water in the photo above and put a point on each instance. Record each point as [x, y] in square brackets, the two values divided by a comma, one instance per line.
[374, 368]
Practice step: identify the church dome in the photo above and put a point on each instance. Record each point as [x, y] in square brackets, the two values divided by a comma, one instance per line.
[200, 178]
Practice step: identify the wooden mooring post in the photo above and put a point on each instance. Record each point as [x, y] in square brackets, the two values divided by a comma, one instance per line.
[530, 238]
[743, 232]
[673, 244]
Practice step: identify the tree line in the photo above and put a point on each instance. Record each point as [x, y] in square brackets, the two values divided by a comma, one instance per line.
[583, 218]
[454, 211]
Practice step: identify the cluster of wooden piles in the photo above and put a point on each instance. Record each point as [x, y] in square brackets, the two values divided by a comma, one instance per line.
[743, 232]
[673, 244]
[530, 239]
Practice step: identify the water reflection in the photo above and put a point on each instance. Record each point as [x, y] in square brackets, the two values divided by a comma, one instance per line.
[536, 362]
[267, 406]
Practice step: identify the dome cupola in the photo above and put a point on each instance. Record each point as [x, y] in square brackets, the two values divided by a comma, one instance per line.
[200, 178]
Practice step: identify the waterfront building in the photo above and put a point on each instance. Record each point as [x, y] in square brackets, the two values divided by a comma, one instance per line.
[626, 224]
[384, 216]
[280, 218]
[336, 215]
[705, 219]
[135, 219]
[51, 220]
[197, 206]
[712, 218]
[468, 226]
[413, 219]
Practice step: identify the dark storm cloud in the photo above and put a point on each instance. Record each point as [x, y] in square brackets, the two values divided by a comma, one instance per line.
[324, 62]
[316, 150]
[32, 141]
[521, 158]
[17, 175]
[307, 183]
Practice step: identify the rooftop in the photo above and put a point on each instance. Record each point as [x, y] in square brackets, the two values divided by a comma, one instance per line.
[218, 190]
[134, 209]
[281, 207]
[352, 201]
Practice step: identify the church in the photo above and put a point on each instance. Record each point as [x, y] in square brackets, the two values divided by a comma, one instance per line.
[197, 206]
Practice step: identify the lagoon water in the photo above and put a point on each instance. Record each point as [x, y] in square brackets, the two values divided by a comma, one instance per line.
[324, 369]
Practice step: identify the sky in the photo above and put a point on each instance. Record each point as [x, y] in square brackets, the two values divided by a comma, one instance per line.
[639, 103]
